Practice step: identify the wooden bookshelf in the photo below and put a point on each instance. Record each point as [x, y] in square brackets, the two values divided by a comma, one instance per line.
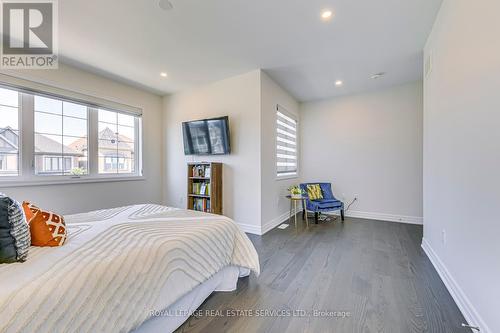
[204, 187]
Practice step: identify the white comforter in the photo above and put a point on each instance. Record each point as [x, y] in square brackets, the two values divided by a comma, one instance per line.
[108, 275]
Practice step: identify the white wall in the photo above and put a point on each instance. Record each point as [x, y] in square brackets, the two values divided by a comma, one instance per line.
[73, 198]
[275, 207]
[462, 156]
[238, 98]
[368, 146]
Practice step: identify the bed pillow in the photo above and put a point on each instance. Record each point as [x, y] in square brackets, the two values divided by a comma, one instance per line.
[7, 243]
[47, 228]
[27, 211]
[15, 238]
[314, 192]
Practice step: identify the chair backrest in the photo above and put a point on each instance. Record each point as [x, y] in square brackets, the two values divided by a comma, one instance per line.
[326, 189]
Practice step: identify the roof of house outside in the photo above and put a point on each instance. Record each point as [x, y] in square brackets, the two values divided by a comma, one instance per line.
[43, 144]
[107, 140]
[46, 145]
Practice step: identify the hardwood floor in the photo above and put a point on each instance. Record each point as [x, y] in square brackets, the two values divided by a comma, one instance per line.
[375, 272]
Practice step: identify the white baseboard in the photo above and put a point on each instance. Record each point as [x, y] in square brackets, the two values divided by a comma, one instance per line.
[384, 217]
[261, 230]
[276, 221]
[462, 301]
[251, 229]
[268, 226]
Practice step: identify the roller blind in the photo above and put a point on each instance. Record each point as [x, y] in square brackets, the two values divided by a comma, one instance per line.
[36, 88]
[286, 143]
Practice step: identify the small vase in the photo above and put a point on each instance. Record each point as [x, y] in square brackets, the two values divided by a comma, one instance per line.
[296, 196]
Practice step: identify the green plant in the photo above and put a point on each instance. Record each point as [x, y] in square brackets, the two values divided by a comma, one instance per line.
[78, 171]
[295, 190]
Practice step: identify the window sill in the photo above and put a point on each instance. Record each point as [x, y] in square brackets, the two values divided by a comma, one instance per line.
[287, 177]
[59, 181]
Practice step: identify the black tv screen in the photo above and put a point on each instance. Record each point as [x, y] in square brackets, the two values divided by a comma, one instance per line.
[206, 137]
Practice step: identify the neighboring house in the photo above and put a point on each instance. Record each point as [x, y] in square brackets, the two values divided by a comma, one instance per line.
[9, 142]
[51, 157]
[116, 152]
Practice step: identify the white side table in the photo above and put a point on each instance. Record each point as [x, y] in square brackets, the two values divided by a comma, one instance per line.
[293, 208]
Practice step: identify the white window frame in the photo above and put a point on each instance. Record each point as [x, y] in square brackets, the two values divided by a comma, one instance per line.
[26, 168]
[285, 112]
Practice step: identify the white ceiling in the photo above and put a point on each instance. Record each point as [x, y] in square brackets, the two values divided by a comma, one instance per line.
[201, 41]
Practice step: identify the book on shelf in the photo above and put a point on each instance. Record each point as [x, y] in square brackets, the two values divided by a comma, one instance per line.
[202, 205]
[201, 188]
[201, 171]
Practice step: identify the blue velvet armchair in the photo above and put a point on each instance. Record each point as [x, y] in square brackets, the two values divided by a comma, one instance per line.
[328, 204]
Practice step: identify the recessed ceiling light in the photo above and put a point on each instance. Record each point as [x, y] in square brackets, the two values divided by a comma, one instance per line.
[377, 75]
[165, 5]
[338, 83]
[163, 74]
[326, 15]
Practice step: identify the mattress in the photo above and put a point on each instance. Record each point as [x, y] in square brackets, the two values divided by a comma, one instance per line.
[119, 266]
[169, 319]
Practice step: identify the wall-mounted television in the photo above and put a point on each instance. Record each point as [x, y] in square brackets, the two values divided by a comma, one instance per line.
[206, 137]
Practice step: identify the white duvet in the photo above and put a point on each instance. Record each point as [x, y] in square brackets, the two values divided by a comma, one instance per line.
[109, 274]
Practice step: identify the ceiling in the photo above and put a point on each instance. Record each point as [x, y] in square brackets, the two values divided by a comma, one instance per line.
[201, 41]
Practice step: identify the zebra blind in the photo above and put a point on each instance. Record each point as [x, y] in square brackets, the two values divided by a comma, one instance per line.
[286, 143]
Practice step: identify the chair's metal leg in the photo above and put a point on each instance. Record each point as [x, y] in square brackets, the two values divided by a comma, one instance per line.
[342, 215]
[316, 217]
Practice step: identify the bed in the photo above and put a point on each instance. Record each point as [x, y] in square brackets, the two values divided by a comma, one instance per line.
[141, 268]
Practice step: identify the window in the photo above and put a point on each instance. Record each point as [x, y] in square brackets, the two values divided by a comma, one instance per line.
[65, 138]
[53, 165]
[9, 132]
[60, 137]
[286, 143]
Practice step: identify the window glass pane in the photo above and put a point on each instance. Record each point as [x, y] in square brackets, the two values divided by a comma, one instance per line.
[108, 116]
[126, 134]
[78, 145]
[48, 123]
[107, 131]
[61, 143]
[108, 165]
[8, 164]
[9, 132]
[116, 142]
[48, 144]
[75, 110]
[75, 154]
[48, 164]
[108, 147]
[125, 165]
[75, 127]
[125, 120]
[9, 97]
[49, 105]
[9, 117]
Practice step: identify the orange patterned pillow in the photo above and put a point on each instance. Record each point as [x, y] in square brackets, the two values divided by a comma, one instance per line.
[47, 228]
[27, 211]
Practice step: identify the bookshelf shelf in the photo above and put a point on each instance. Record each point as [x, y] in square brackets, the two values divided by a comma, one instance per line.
[204, 187]
[199, 196]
